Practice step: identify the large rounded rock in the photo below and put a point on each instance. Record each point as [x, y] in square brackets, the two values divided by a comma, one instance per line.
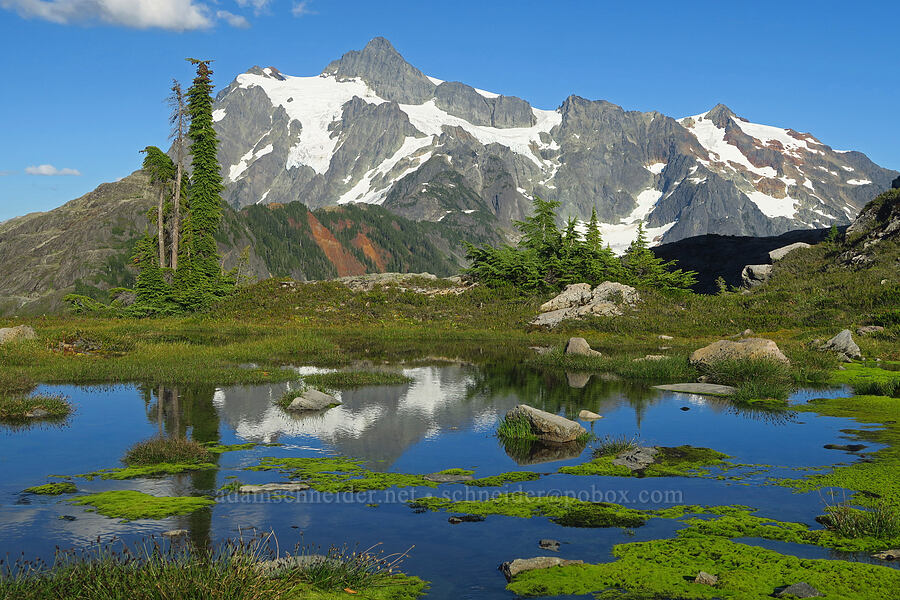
[745, 349]
[579, 346]
[15, 334]
[547, 426]
[779, 253]
[575, 294]
[312, 399]
[754, 275]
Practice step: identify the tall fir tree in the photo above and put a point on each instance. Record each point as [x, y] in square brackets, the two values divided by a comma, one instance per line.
[178, 121]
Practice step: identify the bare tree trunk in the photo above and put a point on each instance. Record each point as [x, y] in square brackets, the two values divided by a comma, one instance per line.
[160, 227]
[178, 118]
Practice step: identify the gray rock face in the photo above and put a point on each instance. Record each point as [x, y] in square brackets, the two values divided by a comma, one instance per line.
[463, 101]
[514, 567]
[547, 426]
[799, 590]
[844, 345]
[15, 334]
[637, 459]
[579, 346]
[382, 67]
[779, 253]
[754, 275]
[312, 399]
[575, 294]
[578, 300]
[747, 348]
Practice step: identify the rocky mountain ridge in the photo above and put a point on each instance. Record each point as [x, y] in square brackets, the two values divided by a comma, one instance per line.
[371, 128]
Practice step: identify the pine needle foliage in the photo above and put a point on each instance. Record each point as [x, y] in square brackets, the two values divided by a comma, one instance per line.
[549, 259]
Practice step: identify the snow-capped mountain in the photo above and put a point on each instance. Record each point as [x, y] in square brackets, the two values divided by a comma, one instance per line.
[372, 128]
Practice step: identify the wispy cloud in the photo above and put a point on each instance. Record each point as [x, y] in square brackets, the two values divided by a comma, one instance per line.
[302, 8]
[233, 19]
[259, 6]
[50, 171]
[5, 173]
[173, 15]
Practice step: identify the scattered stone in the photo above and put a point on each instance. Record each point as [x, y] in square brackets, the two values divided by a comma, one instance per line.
[650, 357]
[666, 337]
[552, 318]
[747, 333]
[580, 347]
[843, 345]
[754, 275]
[67, 518]
[547, 426]
[15, 334]
[779, 253]
[747, 348]
[887, 555]
[549, 545]
[313, 399]
[704, 389]
[541, 350]
[664, 348]
[577, 380]
[685, 408]
[845, 447]
[37, 413]
[465, 519]
[586, 415]
[869, 329]
[800, 590]
[706, 579]
[175, 533]
[514, 567]
[637, 459]
[447, 478]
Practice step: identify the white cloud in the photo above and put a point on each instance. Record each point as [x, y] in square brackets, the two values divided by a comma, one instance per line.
[50, 170]
[174, 15]
[302, 8]
[233, 19]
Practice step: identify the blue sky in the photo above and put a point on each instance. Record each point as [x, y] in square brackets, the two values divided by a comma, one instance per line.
[84, 81]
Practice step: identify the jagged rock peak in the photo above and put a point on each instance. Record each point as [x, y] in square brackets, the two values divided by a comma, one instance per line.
[386, 71]
[270, 72]
[720, 115]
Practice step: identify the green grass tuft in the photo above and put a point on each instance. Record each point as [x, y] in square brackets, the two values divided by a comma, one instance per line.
[53, 489]
[170, 450]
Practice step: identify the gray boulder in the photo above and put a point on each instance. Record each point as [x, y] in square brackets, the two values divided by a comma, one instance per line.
[615, 292]
[843, 345]
[779, 253]
[579, 346]
[313, 399]
[747, 348]
[869, 329]
[578, 300]
[512, 568]
[586, 415]
[547, 426]
[549, 545]
[799, 590]
[754, 275]
[637, 459]
[15, 334]
[706, 578]
[575, 294]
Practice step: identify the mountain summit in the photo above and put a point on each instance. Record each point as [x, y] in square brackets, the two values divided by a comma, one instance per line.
[372, 128]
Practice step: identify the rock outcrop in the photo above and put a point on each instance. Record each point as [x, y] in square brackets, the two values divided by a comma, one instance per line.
[745, 349]
[608, 299]
[754, 275]
[547, 426]
[512, 568]
[14, 334]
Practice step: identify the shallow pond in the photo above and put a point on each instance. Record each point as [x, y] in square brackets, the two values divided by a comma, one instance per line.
[445, 418]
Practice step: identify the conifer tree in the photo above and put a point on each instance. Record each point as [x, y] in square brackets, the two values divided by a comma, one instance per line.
[161, 171]
[178, 120]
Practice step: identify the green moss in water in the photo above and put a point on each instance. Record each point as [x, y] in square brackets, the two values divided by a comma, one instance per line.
[679, 461]
[665, 569]
[53, 489]
[503, 478]
[131, 505]
[459, 472]
[220, 448]
[158, 470]
[874, 482]
[339, 474]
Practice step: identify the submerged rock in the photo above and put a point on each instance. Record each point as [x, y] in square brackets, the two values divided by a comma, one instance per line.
[549, 545]
[704, 389]
[799, 590]
[845, 447]
[580, 347]
[456, 520]
[313, 399]
[512, 568]
[637, 459]
[887, 555]
[273, 487]
[547, 426]
[175, 533]
[745, 349]
[447, 478]
[586, 415]
[15, 334]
